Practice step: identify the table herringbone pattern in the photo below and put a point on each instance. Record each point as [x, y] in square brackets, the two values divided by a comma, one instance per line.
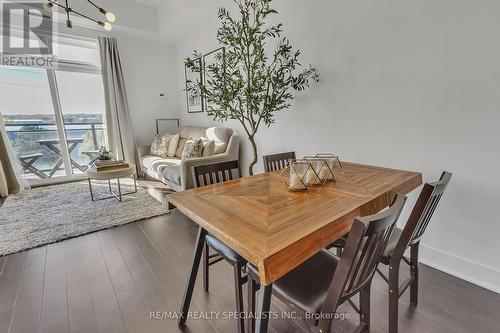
[277, 229]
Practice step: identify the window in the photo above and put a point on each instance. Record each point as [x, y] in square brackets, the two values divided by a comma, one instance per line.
[55, 118]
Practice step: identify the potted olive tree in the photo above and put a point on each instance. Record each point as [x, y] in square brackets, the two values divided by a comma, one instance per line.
[247, 81]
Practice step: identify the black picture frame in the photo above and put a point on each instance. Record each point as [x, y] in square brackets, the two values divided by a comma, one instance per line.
[206, 63]
[166, 120]
[194, 98]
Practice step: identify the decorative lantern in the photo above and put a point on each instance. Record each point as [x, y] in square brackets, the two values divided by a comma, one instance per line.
[294, 175]
[318, 167]
[333, 162]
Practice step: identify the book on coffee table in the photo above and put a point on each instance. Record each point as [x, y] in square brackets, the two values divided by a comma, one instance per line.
[110, 165]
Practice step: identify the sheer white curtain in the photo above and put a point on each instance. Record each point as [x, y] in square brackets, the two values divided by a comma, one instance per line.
[120, 136]
[11, 173]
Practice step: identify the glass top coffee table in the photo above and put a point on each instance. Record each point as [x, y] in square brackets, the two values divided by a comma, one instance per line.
[93, 174]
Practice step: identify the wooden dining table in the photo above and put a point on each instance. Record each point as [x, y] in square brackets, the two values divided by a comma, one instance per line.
[276, 229]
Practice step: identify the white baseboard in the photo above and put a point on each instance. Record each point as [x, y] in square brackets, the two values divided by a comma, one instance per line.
[483, 276]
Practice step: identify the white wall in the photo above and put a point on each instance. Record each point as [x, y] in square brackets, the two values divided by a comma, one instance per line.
[405, 84]
[149, 70]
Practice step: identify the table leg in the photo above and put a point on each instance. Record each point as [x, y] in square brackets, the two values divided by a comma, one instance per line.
[109, 186]
[55, 167]
[73, 163]
[90, 187]
[135, 182]
[263, 308]
[58, 162]
[188, 293]
[119, 190]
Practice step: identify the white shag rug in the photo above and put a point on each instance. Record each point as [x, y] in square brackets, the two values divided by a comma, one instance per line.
[45, 215]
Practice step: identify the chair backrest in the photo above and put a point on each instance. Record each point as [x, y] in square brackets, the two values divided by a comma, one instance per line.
[365, 244]
[421, 214]
[216, 173]
[277, 161]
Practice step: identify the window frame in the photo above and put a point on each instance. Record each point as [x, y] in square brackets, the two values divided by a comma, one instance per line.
[64, 65]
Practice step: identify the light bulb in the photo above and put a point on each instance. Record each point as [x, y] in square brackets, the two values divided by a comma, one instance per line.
[107, 26]
[110, 17]
[48, 6]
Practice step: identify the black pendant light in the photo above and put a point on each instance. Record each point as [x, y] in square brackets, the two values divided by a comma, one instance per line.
[106, 23]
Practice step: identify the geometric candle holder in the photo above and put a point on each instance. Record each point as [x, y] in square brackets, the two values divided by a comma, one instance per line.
[294, 175]
[333, 162]
[320, 172]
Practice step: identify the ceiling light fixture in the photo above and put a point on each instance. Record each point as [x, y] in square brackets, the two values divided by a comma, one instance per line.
[106, 24]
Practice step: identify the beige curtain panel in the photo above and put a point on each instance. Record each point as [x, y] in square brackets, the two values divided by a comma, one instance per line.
[120, 136]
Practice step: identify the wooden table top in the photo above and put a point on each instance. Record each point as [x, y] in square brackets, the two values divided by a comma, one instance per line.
[276, 229]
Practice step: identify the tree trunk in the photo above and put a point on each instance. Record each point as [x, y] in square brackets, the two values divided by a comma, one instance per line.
[254, 160]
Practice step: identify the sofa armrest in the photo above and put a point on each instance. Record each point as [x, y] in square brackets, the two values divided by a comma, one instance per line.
[143, 150]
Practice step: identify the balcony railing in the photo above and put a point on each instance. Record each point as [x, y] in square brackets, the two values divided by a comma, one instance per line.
[38, 147]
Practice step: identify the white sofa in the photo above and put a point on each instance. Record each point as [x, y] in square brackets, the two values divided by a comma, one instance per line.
[178, 173]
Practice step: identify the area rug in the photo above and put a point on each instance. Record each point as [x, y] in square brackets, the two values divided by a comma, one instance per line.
[48, 214]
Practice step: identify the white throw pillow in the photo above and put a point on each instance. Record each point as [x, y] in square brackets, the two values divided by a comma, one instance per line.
[180, 147]
[208, 147]
[172, 146]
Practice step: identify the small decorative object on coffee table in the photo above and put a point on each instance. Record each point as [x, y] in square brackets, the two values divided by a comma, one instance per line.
[103, 154]
[108, 171]
[299, 175]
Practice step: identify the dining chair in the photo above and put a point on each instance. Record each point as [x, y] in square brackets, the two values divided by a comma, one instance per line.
[408, 237]
[213, 174]
[324, 282]
[277, 161]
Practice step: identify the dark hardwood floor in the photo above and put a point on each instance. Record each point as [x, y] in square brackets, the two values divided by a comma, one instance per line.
[110, 281]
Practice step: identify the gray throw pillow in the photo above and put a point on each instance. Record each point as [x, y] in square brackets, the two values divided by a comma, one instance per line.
[193, 148]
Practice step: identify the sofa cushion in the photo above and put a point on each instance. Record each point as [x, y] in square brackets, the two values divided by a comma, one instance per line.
[172, 146]
[192, 148]
[180, 147]
[208, 147]
[172, 172]
[221, 137]
[168, 168]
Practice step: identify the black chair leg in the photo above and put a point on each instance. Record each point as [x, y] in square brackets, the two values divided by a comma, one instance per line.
[206, 254]
[393, 297]
[414, 274]
[364, 307]
[238, 290]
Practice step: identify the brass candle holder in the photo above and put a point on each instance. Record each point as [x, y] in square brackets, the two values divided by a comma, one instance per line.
[333, 162]
[319, 167]
[294, 175]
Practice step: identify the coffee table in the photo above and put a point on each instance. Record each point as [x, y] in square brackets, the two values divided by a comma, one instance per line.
[93, 174]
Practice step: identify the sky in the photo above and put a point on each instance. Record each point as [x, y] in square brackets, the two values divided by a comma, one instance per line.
[26, 90]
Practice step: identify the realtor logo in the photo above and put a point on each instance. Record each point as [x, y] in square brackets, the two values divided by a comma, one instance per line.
[27, 34]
